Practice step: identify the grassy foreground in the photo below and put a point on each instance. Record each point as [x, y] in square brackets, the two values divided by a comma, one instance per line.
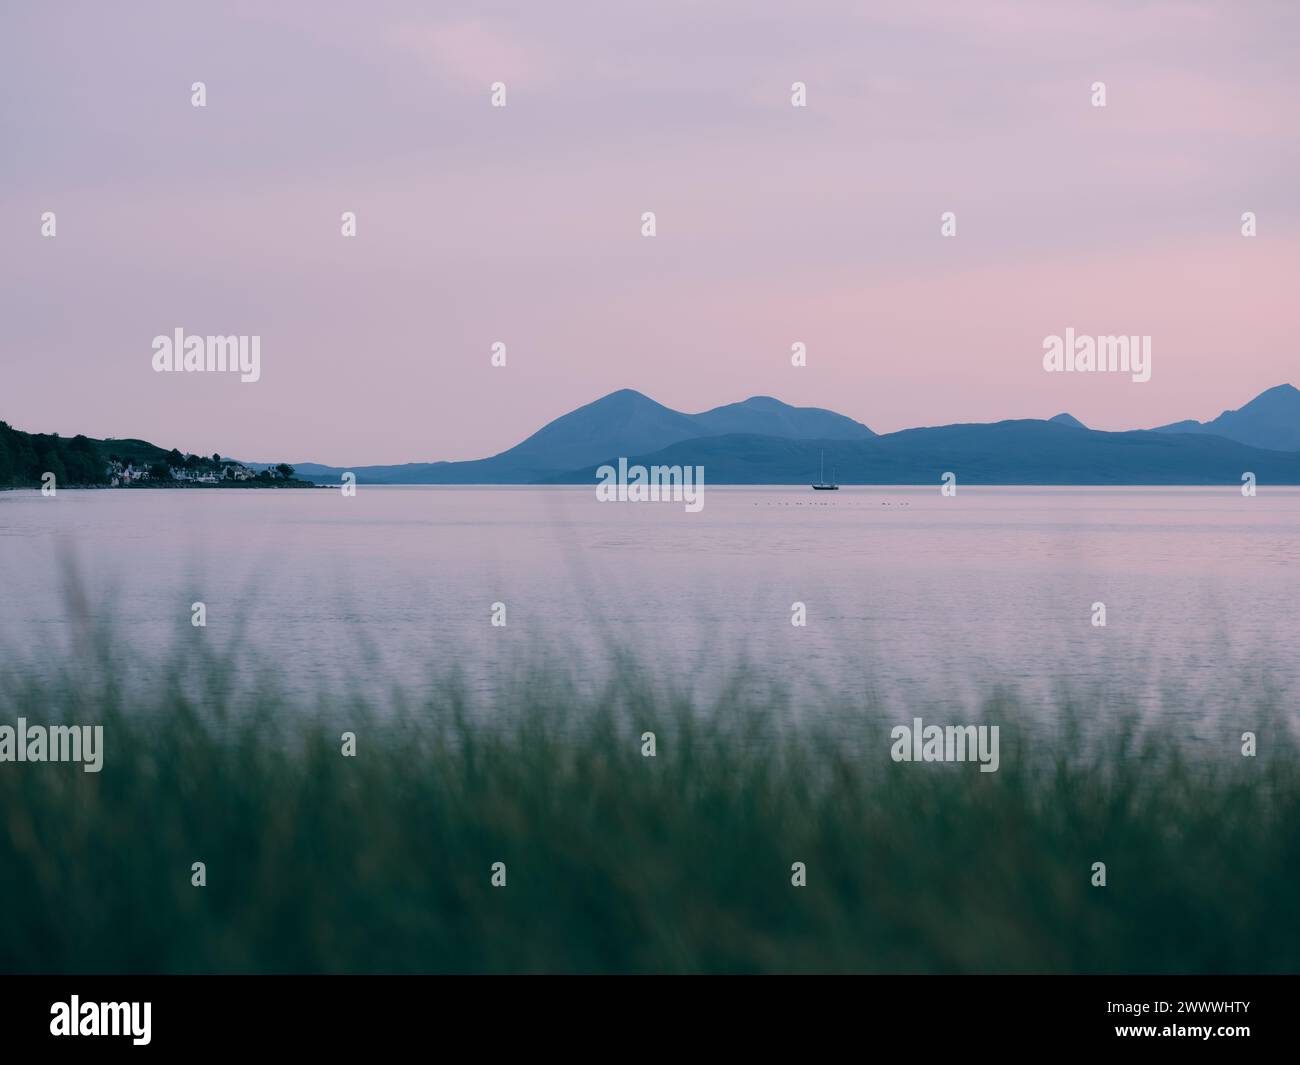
[622, 863]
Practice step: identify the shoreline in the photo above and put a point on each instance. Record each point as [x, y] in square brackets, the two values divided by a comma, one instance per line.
[163, 486]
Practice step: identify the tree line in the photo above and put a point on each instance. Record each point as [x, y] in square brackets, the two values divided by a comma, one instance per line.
[25, 457]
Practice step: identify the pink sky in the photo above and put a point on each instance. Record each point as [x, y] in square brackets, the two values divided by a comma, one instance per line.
[521, 224]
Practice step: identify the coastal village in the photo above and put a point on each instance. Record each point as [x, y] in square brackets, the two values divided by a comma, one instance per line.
[191, 470]
[28, 460]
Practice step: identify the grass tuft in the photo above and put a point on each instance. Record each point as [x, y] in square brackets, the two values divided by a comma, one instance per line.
[621, 863]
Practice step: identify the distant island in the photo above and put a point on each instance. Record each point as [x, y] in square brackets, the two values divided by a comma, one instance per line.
[80, 462]
[764, 441]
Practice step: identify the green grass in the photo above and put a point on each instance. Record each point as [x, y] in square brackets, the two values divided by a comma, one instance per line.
[621, 863]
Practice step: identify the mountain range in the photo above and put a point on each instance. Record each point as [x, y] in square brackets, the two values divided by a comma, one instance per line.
[1270, 420]
[764, 441]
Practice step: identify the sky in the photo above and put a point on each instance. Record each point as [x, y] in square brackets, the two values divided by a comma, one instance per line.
[523, 224]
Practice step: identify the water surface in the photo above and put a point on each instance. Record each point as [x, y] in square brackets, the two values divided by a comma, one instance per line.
[907, 593]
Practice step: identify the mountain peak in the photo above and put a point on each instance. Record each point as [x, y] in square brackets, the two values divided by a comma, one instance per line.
[623, 395]
[768, 416]
[1068, 419]
[1282, 393]
[1270, 420]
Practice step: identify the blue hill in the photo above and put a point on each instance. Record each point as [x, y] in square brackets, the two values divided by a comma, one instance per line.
[621, 423]
[764, 441]
[1270, 420]
[1009, 452]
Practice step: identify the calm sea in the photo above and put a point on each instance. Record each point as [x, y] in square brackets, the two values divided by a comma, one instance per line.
[906, 593]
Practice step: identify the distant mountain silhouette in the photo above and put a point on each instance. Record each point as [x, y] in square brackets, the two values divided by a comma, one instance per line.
[614, 421]
[1010, 452]
[1270, 420]
[622, 423]
[765, 416]
[765, 441]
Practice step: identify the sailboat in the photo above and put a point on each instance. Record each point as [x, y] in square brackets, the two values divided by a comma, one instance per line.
[822, 485]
